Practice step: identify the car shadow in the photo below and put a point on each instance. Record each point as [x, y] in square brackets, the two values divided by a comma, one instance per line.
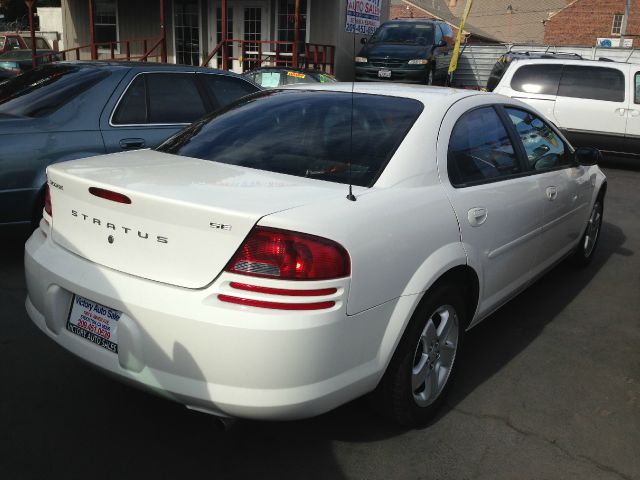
[71, 413]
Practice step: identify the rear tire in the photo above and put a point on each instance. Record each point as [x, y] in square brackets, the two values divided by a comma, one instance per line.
[587, 246]
[420, 372]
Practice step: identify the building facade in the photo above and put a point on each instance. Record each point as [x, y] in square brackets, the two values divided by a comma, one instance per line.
[193, 29]
[594, 23]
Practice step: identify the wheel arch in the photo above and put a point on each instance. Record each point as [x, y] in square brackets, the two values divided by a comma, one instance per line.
[458, 274]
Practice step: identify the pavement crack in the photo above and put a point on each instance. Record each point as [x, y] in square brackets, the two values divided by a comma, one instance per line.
[529, 433]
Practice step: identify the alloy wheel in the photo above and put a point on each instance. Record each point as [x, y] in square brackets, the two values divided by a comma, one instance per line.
[434, 355]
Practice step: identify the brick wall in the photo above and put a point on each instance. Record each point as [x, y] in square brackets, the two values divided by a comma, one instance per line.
[401, 11]
[584, 21]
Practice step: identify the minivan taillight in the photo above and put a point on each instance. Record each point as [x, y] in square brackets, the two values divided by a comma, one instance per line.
[47, 201]
[286, 255]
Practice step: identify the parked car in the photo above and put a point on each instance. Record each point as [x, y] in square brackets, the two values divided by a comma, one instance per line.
[232, 270]
[14, 41]
[274, 77]
[594, 103]
[6, 74]
[68, 110]
[503, 62]
[21, 60]
[409, 51]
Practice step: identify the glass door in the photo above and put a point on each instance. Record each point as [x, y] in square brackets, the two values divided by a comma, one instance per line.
[252, 35]
[187, 31]
[219, 34]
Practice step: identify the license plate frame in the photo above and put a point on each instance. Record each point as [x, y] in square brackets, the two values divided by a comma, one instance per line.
[384, 73]
[94, 322]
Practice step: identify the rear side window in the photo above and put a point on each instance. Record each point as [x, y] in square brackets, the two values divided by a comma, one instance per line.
[595, 83]
[160, 98]
[540, 79]
[332, 136]
[42, 91]
[225, 89]
[173, 98]
[133, 106]
[497, 72]
[480, 149]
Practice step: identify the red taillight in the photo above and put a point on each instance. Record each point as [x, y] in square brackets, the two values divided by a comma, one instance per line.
[47, 201]
[248, 302]
[287, 292]
[109, 195]
[273, 253]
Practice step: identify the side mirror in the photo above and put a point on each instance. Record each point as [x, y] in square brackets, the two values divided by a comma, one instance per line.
[588, 156]
[363, 40]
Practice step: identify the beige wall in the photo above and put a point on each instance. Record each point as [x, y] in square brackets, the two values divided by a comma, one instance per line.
[141, 19]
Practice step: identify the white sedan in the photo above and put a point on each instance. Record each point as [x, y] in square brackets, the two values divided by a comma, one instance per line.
[305, 247]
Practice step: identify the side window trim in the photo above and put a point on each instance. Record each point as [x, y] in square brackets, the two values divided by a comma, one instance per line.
[510, 132]
[516, 141]
[521, 151]
[146, 73]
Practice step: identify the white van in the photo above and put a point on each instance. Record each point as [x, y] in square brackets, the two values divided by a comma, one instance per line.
[594, 103]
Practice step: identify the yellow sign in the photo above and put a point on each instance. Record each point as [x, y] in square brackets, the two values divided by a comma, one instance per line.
[296, 74]
[456, 50]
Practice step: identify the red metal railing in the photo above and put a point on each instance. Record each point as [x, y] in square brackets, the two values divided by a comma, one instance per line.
[259, 53]
[113, 51]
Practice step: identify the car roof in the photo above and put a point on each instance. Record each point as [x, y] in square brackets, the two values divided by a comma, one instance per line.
[566, 61]
[435, 97]
[143, 66]
[284, 69]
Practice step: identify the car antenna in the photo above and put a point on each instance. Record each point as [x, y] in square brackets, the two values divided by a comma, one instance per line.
[350, 195]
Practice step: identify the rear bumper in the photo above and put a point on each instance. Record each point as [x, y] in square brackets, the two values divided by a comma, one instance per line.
[188, 346]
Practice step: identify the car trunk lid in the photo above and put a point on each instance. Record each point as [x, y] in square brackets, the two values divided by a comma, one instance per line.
[186, 217]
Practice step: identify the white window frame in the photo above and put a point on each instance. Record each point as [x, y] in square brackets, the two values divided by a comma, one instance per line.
[617, 31]
[201, 37]
[102, 49]
[307, 23]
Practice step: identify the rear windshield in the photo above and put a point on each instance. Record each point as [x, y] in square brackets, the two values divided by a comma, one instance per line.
[401, 32]
[43, 90]
[303, 133]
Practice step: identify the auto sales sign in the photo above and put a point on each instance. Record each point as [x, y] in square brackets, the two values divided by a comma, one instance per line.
[363, 16]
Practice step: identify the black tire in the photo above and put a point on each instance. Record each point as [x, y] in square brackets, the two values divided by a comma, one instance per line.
[395, 396]
[586, 248]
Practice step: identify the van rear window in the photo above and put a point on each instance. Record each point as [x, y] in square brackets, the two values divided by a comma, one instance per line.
[595, 83]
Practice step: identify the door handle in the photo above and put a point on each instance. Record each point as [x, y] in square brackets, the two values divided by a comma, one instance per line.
[635, 113]
[477, 216]
[552, 193]
[621, 111]
[132, 143]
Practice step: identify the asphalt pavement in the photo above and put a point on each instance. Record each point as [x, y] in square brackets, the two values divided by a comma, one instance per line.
[548, 388]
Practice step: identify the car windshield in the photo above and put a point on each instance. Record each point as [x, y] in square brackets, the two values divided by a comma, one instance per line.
[43, 90]
[22, 54]
[411, 33]
[334, 136]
